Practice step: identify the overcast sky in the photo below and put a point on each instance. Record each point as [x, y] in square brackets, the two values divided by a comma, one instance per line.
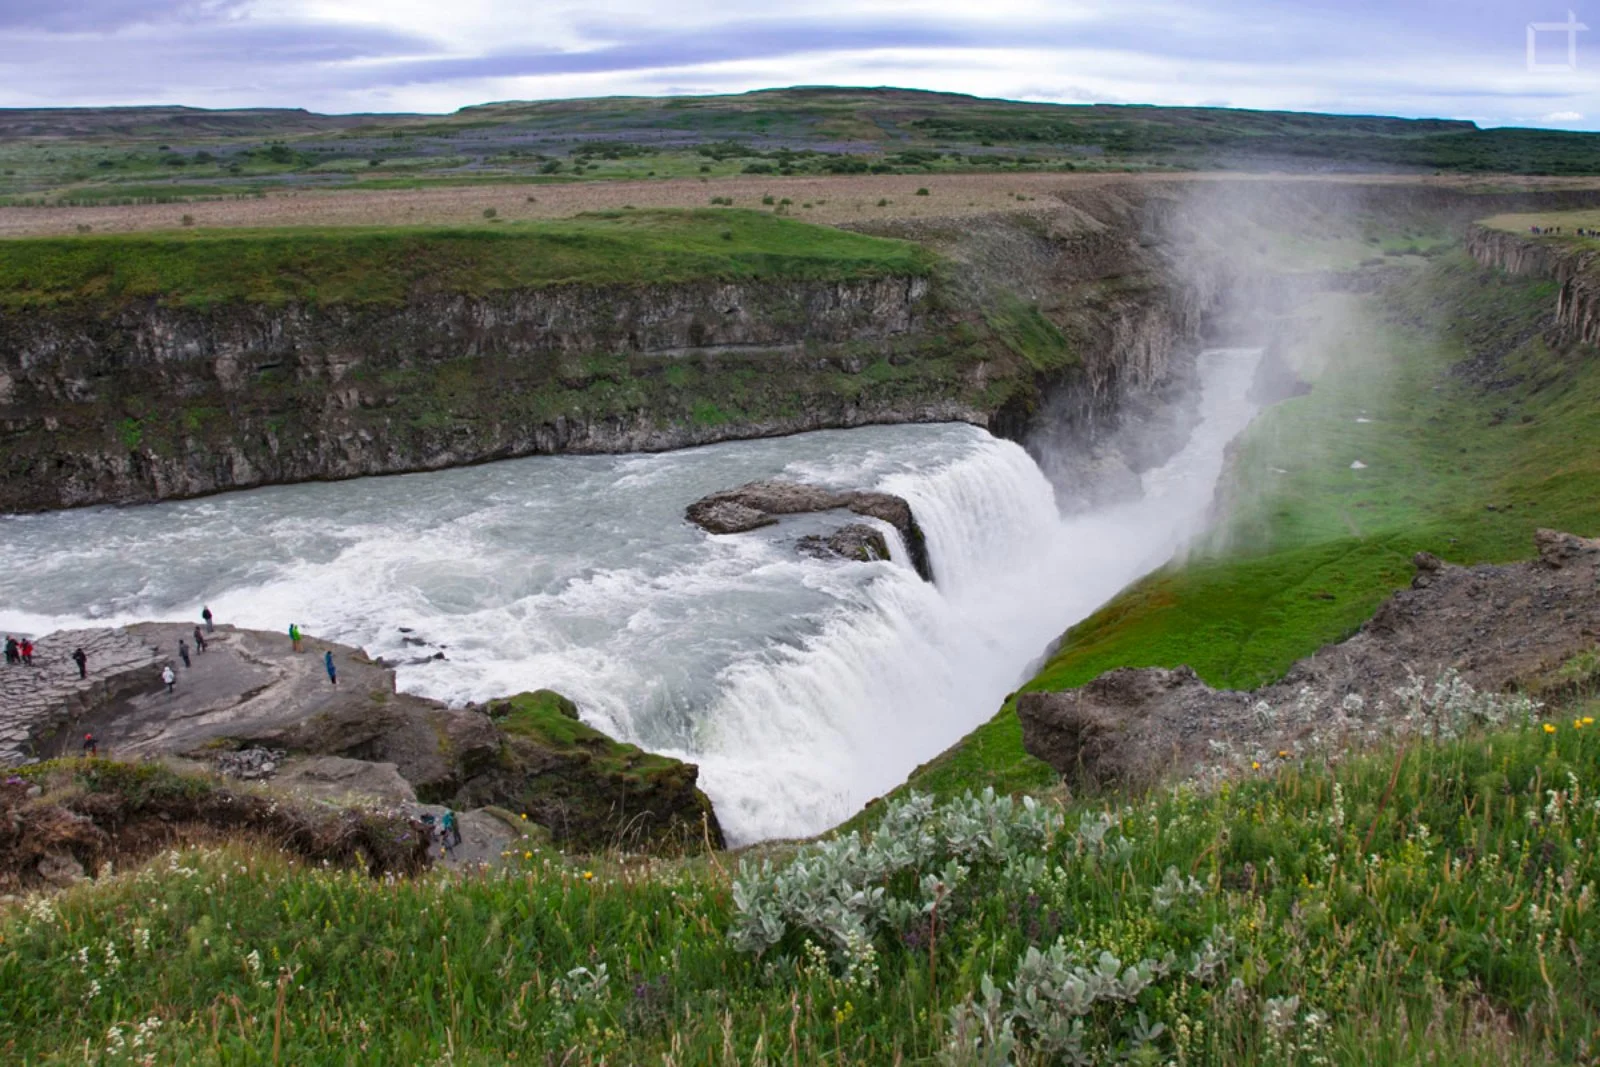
[1456, 59]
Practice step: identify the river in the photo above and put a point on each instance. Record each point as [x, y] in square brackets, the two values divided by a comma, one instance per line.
[801, 687]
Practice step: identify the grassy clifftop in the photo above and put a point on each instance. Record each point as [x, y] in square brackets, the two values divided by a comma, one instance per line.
[388, 265]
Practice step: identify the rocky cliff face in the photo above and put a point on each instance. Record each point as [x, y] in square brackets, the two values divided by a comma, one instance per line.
[1053, 328]
[1576, 270]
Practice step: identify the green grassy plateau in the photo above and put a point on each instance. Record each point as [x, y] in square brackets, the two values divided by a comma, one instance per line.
[145, 155]
[390, 265]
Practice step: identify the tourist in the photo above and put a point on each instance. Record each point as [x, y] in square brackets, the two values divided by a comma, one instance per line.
[294, 636]
[327, 663]
[12, 655]
[205, 613]
[183, 654]
[26, 649]
[199, 640]
[452, 830]
[82, 661]
[90, 745]
[168, 677]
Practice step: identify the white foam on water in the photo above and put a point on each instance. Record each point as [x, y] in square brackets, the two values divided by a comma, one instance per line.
[802, 687]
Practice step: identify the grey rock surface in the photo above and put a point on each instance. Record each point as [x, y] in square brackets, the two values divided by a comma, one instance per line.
[1496, 627]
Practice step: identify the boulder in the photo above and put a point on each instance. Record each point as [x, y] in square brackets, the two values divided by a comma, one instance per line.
[856, 542]
[755, 504]
[338, 778]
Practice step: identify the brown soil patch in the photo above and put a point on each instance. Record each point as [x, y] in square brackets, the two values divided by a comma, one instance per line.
[834, 200]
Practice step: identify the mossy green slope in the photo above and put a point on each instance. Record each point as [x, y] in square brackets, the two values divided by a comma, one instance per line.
[390, 265]
[1471, 433]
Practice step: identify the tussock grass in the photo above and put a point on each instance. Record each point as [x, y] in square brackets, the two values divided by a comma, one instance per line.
[1435, 903]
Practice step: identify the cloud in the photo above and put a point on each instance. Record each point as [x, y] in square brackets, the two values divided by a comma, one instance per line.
[1420, 58]
[100, 16]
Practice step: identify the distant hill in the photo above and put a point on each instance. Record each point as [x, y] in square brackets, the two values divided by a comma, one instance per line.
[144, 153]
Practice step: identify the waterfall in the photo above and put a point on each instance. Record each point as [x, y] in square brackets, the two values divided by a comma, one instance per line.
[801, 687]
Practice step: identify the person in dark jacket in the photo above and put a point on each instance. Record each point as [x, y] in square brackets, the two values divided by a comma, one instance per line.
[82, 661]
[183, 654]
[327, 664]
[205, 613]
[199, 640]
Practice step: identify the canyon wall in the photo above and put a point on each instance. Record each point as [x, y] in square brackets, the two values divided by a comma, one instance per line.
[1575, 269]
[1049, 325]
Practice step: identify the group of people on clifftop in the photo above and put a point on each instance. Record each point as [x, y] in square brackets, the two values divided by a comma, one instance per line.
[19, 653]
[1555, 231]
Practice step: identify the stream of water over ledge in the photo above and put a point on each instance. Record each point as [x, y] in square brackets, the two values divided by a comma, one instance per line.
[801, 687]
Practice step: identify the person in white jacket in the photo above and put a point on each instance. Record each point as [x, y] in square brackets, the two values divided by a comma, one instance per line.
[168, 677]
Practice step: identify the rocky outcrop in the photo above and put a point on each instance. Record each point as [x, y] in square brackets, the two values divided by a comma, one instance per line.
[758, 504]
[252, 708]
[1574, 267]
[590, 791]
[1494, 627]
[58, 821]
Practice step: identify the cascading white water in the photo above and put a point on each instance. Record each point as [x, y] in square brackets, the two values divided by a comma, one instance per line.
[801, 687]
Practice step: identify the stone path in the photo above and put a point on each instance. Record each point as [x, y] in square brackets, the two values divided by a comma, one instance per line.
[46, 695]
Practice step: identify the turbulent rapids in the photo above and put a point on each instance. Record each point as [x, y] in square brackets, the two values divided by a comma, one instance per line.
[802, 687]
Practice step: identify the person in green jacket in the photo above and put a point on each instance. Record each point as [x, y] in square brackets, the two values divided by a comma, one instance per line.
[294, 635]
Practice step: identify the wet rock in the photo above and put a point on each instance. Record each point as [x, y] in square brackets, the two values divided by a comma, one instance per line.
[756, 504]
[727, 517]
[856, 542]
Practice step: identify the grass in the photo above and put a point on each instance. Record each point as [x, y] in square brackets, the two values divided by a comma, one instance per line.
[1432, 904]
[1465, 463]
[390, 265]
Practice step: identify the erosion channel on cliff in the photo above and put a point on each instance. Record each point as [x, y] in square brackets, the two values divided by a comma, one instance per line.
[801, 686]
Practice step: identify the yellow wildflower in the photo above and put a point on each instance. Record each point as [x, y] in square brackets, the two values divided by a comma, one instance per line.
[1588, 720]
[588, 876]
[1549, 728]
[1255, 765]
[1283, 753]
[527, 855]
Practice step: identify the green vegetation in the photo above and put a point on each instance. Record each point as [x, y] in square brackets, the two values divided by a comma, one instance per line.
[164, 155]
[1434, 904]
[1472, 434]
[388, 266]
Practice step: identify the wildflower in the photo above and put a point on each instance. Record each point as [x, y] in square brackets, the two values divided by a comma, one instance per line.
[527, 855]
[524, 816]
[588, 876]
[1255, 765]
[1283, 753]
[1549, 728]
[1577, 724]
[1588, 720]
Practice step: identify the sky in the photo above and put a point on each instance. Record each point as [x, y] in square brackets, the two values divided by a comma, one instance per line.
[1422, 58]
